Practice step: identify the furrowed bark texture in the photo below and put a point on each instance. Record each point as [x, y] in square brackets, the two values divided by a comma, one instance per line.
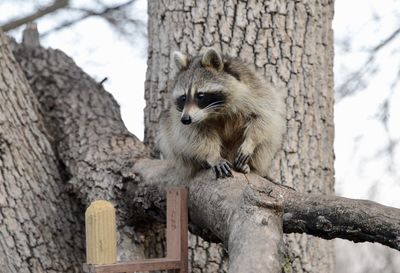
[38, 219]
[291, 43]
[90, 139]
[337, 217]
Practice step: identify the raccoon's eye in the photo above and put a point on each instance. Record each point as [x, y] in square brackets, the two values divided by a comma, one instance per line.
[180, 103]
[200, 95]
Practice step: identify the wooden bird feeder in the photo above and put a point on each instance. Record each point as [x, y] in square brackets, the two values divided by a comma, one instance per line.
[101, 238]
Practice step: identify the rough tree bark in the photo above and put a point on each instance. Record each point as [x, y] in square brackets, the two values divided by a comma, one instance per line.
[291, 42]
[38, 219]
[72, 148]
[87, 134]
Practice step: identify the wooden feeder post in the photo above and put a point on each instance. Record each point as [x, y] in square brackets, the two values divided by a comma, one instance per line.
[101, 236]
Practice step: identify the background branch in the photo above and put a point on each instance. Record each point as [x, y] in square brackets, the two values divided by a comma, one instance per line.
[355, 80]
[107, 13]
[58, 4]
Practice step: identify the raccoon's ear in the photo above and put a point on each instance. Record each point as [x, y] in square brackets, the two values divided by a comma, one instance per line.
[180, 60]
[212, 58]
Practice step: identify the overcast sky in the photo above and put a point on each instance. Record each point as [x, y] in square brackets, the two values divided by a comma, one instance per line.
[359, 136]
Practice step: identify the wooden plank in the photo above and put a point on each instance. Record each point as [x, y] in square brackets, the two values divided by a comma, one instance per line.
[143, 265]
[173, 224]
[183, 201]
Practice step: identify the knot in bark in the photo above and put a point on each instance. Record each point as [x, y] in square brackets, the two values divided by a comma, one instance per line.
[324, 224]
[262, 199]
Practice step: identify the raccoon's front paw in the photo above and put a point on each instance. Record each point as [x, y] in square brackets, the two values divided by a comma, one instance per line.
[241, 161]
[244, 169]
[223, 169]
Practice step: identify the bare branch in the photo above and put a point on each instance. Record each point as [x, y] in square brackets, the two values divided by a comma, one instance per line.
[331, 217]
[56, 5]
[66, 24]
[386, 41]
[86, 13]
[355, 81]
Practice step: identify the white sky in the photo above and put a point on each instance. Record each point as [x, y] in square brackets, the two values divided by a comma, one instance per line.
[356, 171]
[103, 53]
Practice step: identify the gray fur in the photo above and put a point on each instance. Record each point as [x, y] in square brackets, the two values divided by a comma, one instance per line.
[180, 60]
[212, 59]
[243, 133]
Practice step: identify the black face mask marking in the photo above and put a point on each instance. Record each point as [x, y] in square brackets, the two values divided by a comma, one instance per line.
[209, 99]
[180, 103]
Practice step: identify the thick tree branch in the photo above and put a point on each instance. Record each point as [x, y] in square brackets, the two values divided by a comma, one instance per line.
[331, 217]
[246, 220]
[56, 5]
[324, 216]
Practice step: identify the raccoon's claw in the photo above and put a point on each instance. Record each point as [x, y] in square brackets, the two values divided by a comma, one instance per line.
[241, 161]
[244, 169]
[223, 169]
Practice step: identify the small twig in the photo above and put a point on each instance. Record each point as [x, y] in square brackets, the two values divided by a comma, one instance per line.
[386, 41]
[58, 4]
[355, 79]
[86, 14]
[102, 81]
[66, 24]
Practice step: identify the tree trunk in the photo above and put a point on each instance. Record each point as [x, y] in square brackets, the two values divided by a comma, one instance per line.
[86, 132]
[292, 44]
[38, 219]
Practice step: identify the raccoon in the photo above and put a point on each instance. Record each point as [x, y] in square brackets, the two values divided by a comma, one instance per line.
[225, 117]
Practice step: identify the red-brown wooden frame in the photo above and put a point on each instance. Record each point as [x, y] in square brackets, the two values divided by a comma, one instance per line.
[177, 241]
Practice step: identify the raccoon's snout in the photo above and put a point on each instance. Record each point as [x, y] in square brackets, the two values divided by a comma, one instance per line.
[186, 119]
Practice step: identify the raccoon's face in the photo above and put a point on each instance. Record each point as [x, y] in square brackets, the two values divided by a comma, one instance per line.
[199, 91]
[197, 103]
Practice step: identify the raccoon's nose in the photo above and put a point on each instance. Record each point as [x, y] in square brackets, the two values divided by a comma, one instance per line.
[186, 119]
